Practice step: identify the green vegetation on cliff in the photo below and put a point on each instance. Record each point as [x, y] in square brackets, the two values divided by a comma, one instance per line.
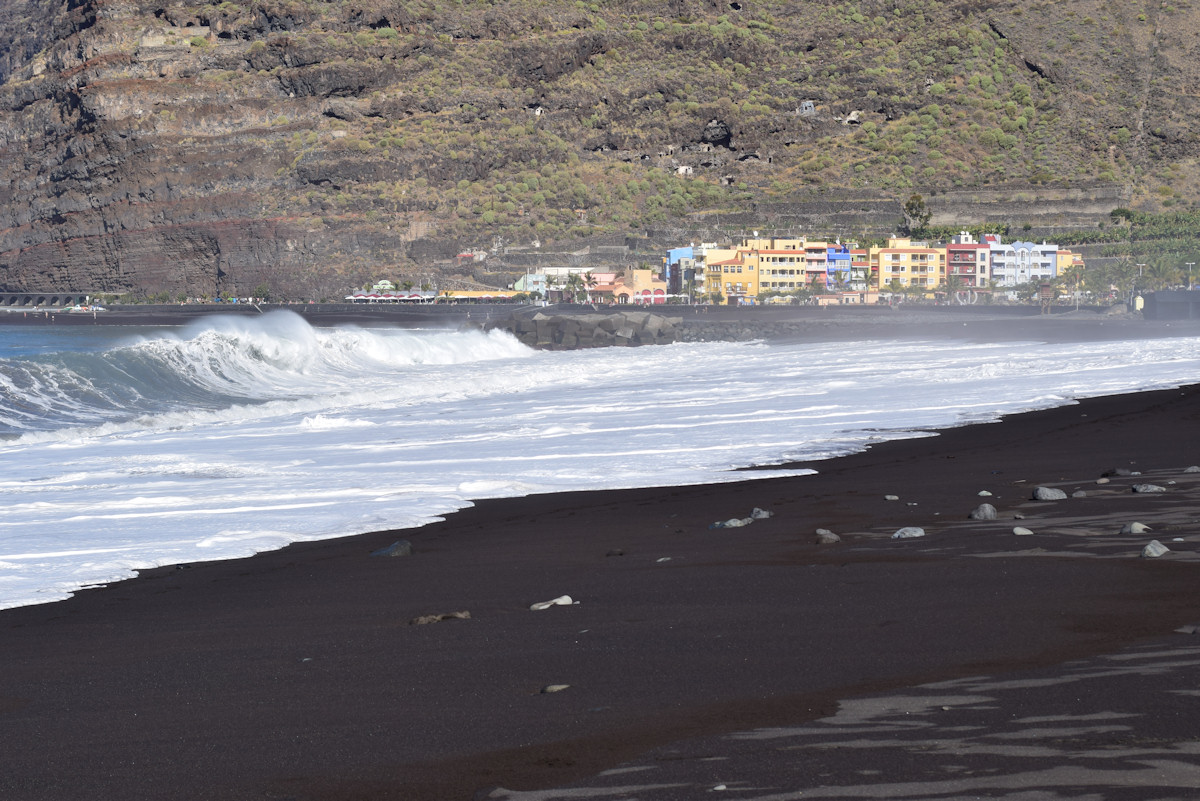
[311, 140]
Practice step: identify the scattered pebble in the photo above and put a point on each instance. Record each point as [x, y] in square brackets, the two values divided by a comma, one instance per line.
[1021, 531]
[891, 497]
[562, 600]
[663, 559]
[397, 548]
[827, 537]
[425, 620]
[760, 514]
[1078, 494]
[1135, 528]
[1018, 516]
[1102, 480]
[1155, 549]
[1193, 469]
[1048, 494]
[984, 494]
[555, 688]
[909, 532]
[1148, 488]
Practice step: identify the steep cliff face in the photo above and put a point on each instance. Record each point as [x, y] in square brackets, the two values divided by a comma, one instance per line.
[197, 147]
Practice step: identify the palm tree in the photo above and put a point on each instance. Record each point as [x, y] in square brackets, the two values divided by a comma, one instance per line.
[1160, 273]
[572, 287]
[589, 283]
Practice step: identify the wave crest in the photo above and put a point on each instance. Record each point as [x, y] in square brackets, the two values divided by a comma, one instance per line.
[221, 362]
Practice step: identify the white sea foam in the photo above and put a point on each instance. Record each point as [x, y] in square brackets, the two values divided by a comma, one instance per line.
[244, 435]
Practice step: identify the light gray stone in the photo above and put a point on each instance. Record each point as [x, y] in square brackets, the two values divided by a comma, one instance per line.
[1135, 528]
[1021, 531]
[827, 537]
[984, 511]
[1048, 494]
[1155, 549]
[908, 533]
[1149, 489]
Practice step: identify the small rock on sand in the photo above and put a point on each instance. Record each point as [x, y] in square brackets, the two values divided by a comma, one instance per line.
[1021, 531]
[1048, 494]
[1154, 549]
[984, 511]
[827, 537]
[555, 688]
[1102, 480]
[425, 620]
[562, 600]
[891, 497]
[909, 532]
[1193, 469]
[1148, 488]
[397, 548]
[1135, 528]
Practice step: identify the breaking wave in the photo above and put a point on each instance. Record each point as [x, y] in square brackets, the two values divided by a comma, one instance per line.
[221, 363]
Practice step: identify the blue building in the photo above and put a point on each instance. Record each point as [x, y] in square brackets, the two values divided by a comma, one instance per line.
[672, 274]
[837, 266]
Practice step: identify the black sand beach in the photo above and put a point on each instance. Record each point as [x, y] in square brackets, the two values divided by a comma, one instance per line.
[299, 673]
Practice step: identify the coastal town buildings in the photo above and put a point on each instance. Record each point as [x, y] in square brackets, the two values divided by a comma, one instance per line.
[967, 262]
[784, 269]
[1021, 262]
[905, 263]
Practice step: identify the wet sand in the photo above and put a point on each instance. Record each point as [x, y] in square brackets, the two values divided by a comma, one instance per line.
[299, 673]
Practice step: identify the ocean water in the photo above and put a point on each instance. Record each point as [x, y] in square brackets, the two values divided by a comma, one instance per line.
[124, 448]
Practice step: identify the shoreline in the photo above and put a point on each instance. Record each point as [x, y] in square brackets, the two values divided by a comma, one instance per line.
[297, 672]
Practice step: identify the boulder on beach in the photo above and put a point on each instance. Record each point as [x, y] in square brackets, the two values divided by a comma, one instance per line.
[827, 537]
[984, 511]
[1155, 549]
[1135, 528]
[1148, 489]
[908, 533]
[1048, 494]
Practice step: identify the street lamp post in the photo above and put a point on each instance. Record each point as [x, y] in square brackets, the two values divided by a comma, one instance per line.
[1190, 265]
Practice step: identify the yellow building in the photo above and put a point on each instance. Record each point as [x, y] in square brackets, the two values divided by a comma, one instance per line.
[640, 286]
[1066, 260]
[473, 295]
[904, 263]
[736, 278]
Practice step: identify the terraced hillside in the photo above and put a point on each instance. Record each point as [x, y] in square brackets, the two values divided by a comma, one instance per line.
[305, 146]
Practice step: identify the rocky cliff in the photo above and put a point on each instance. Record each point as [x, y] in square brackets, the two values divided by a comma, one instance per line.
[307, 146]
